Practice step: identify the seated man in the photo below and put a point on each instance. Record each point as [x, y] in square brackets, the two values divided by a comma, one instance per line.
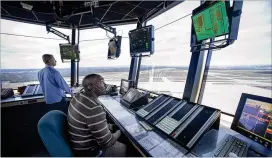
[87, 124]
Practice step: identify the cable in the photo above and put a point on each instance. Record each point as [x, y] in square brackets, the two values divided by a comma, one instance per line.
[10, 34]
[173, 21]
[53, 38]
[155, 29]
[101, 39]
[93, 39]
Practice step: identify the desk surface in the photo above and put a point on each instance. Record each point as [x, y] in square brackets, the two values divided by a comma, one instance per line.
[19, 98]
[148, 142]
[151, 143]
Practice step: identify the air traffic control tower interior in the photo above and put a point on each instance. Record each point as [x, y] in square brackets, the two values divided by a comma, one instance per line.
[156, 124]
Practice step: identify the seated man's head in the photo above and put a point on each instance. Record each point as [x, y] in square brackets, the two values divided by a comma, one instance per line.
[49, 59]
[94, 85]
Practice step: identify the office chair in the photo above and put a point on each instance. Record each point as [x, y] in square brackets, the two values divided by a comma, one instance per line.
[53, 130]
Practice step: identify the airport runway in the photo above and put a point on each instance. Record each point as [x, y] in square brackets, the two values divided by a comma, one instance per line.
[223, 87]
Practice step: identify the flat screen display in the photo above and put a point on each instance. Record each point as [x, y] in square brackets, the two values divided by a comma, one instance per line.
[163, 111]
[39, 91]
[253, 119]
[114, 47]
[194, 126]
[69, 52]
[256, 118]
[156, 103]
[182, 112]
[129, 96]
[141, 40]
[211, 22]
[30, 89]
[124, 86]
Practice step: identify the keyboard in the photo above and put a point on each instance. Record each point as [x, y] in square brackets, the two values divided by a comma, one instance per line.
[231, 146]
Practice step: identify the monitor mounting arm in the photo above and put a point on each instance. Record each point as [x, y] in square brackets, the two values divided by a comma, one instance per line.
[56, 32]
[105, 27]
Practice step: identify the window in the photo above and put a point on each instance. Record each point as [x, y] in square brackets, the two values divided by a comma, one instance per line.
[166, 70]
[245, 66]
[21, 56]
[94, 51]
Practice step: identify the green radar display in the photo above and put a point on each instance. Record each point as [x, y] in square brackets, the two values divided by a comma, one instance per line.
[69, 52]
[211, 22]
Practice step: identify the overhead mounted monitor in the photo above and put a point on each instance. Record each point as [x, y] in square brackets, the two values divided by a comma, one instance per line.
[142, 41]
[210, 20]
[69, 52]
[114, 50]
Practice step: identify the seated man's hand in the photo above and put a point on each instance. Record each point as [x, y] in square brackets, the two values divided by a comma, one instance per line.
[112, 127]
[117, 134]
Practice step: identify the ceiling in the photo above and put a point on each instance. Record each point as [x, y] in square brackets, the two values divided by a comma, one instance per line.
[80, 14]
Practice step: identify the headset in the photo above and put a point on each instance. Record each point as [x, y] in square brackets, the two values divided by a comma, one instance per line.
[92, 87]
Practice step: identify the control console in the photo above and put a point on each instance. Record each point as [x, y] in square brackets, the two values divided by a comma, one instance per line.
[163, 110]
[32, 90]
[154, 104]
[182, 121]
[169, 123]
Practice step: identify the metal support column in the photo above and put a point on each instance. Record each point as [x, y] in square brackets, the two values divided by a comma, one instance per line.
[205, 75]
[139, 60]
[135, 63]
[77, 81]
[138, 70]
[132, 73]
[195, 72]
[73, 63]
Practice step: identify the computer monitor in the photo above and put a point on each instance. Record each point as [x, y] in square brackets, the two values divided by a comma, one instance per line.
[210, 20]
[114, 49]
[132, 95]
[253, 119]
[142, 41]
[125, 85]
[69, 52]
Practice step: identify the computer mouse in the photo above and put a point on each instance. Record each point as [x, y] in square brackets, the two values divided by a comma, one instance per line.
[232, 154]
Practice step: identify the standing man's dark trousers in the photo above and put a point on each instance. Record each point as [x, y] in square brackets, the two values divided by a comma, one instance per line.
[62, 106]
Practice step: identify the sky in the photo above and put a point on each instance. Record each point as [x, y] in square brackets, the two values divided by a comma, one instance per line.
[172, 43]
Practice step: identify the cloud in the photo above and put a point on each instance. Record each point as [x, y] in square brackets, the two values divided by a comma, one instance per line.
[172, 43]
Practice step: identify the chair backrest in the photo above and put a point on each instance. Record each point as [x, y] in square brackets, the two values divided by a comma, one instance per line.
[52, 129]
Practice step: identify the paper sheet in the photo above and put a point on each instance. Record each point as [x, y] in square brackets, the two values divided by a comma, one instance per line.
[168, 148]
[120, 114]
[150, 141]
[127, 121]
[135, 129]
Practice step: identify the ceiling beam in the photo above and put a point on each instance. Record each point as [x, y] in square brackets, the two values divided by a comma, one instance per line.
[35, 16]
[132, 10]
[80, 19]
[6, 11]
[107, 11]
[134, 5]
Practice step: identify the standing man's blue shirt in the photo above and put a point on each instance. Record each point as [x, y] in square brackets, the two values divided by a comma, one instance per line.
[53, 85]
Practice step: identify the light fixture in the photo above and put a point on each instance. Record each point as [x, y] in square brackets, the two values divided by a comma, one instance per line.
[26, 6]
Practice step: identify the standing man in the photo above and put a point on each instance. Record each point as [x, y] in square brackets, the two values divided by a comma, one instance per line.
[87, 123]
[53, 85]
